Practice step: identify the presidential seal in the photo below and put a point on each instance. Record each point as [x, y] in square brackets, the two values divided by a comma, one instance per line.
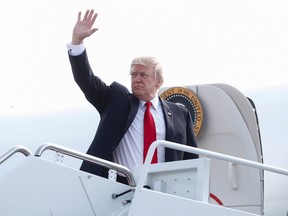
[188, 99]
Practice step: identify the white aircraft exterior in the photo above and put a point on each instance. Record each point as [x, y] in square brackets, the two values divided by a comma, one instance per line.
[75, 129]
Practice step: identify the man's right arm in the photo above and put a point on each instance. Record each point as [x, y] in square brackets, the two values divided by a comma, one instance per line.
[95, 90]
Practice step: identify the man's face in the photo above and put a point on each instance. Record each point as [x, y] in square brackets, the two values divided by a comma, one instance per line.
[144, 83]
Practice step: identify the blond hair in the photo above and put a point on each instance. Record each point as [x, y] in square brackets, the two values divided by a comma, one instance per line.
[151, 62]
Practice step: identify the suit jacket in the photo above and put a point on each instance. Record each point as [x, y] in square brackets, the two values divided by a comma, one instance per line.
[117, 108]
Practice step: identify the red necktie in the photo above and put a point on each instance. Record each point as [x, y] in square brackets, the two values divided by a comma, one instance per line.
[149, 132]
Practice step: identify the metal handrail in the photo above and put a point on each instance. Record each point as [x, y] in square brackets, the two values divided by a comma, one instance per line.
[89, 158]
[213, 155]
[207, 153]
[14, 150]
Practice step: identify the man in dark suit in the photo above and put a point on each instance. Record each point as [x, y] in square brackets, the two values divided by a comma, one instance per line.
[119, 137]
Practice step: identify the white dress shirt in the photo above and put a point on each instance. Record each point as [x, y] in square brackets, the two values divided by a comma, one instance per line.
[130, 150]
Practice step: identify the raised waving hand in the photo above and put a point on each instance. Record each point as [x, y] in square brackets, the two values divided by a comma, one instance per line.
[84, 27]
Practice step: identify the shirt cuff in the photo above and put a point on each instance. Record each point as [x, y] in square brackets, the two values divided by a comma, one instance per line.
[75, 50]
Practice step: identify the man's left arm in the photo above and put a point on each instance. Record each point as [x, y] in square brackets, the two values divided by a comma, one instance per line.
[191, 138]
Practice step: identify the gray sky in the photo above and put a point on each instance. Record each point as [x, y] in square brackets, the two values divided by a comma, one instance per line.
[241, 43]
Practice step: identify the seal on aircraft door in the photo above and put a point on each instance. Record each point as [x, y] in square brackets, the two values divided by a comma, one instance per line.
[187, 98]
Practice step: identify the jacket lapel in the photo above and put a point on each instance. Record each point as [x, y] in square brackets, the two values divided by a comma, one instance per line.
[134, 104]
[168, 118]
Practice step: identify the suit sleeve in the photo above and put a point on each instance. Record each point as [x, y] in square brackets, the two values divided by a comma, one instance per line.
[94, 89]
